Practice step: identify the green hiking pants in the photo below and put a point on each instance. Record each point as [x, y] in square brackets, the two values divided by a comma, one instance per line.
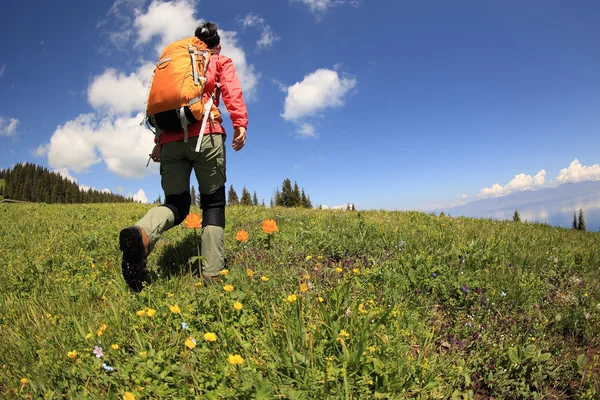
[177, 160]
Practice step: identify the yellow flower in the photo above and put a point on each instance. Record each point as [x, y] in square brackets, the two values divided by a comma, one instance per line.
[170, 295]
[104, 298]
[338, 270]
[306, 276]
[142, 354]
[72, 354]
[269, 226]
[356, 270]
[303, 287]
[242, 236]
[264, 279]
[198, 284]
[210, 337]
[224, 272]
[372, 349]
[361, 308]
[99, 332]
[250, 273]
[292, 298]
[235, 359]
[343, 335]
[128, 396]
[151, 312]
[24, 381]
[88, 336]
[141, 313]
[228, 288]
[115, 346]
[175, 309]
[237, 305]
[308, 258]
[320, 299]
[190, 343]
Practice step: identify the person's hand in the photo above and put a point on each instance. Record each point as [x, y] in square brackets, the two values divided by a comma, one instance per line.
[155, 156]
[239, 138]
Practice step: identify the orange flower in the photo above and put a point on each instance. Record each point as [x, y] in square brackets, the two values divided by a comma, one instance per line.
[242, 236]
[270, 226]
[193, 221]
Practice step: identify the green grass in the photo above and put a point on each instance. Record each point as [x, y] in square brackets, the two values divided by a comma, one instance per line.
[397, 304]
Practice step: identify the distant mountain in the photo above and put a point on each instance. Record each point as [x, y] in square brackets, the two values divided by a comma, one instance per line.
[554, 206]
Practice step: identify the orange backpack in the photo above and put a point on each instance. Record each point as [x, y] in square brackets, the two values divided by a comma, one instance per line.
[175, 99]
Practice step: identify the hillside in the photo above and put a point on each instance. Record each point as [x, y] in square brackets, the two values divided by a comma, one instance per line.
[334, 305]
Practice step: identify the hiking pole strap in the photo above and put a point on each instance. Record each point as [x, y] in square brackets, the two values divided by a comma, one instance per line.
[207, 113]
[184, 123]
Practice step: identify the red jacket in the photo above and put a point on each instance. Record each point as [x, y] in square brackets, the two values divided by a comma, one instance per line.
[220, 70]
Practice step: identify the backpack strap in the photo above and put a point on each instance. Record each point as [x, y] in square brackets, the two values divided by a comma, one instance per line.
[184, 122]
[207, 107]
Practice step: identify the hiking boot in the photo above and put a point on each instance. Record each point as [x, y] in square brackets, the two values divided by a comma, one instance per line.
[133, 266]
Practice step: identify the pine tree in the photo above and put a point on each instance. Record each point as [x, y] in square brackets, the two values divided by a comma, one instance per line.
[516, 216]
[246, 199]
[254, 199]
[296, 199]
[581, 221]
[193, 195]
[353, 208]
[574, 226]
[303, 199]
[308, 202]
[287, 193]
[232, 197]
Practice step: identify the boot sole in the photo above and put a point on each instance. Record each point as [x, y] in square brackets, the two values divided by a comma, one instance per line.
[133, 265]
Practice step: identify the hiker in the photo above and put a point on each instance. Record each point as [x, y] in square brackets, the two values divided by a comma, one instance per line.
[178, 155]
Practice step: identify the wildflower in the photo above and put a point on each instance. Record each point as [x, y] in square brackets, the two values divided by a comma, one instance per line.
[228, 288]
[303, 288]
[98, 352]
[184, 325]
[114, 346]
[242, 236]
[361, 308]
[175, 309]
[270, 226]
[264, 279]
[88, 336]
[237, 305]
[320, 299]
[193, 220]
[465, 289]
[249, 272]
[308, 258]
[356, 270]
[338, 270]
[128, 396]
[533, 339]
[190, 343]
[503, 294]
[151, 312]
[170, 295]
[107, 367]
[24, 381]
[72, 354]
[141, 313]
[587, 315]
[306, 276]
[199, 284]
[235, 359]
[292, 298]
[142, 354]
[224, 272]
[343, 335]
[585, 294]
[557, 318]
[210, 337]
[372, 349]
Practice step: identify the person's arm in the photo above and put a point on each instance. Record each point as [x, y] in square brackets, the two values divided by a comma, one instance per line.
[231, 91]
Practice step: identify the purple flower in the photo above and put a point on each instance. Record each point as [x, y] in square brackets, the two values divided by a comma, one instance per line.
[98, 352]
[465, 289]
[107, 367]
[433, 275]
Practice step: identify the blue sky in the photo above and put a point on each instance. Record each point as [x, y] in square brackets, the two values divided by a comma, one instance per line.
[384, 104]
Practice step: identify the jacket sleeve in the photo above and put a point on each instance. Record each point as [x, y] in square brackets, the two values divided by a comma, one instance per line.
[231, 91]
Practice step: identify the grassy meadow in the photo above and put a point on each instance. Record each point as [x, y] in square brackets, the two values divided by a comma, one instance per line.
[335, 305]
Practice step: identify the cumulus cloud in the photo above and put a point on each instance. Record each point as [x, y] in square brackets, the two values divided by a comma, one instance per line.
[267, 36]
[40, 151]
[64, 172]
[579, 173]
[140, 196]
[319, 6]
[8, 126]
[306, 130]
[318, 90]
[119, 93]
[519, 183]
[121, 143]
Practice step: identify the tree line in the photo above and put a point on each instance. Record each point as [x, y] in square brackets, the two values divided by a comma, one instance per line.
[34, 183]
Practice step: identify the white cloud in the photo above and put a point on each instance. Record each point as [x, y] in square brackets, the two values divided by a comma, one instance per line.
[40, 151]
[318, 90]
[64, 172]
[246, 72]
[2, 69]
[280, 85]
[306, 130]
[106, 190]
[318, 6]
[140, 196]
[8, 126]
[85, 188]
[120, 142]
[519, 183]
[579, 173]
[464, 196]
[267, 36]
[119, 93]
